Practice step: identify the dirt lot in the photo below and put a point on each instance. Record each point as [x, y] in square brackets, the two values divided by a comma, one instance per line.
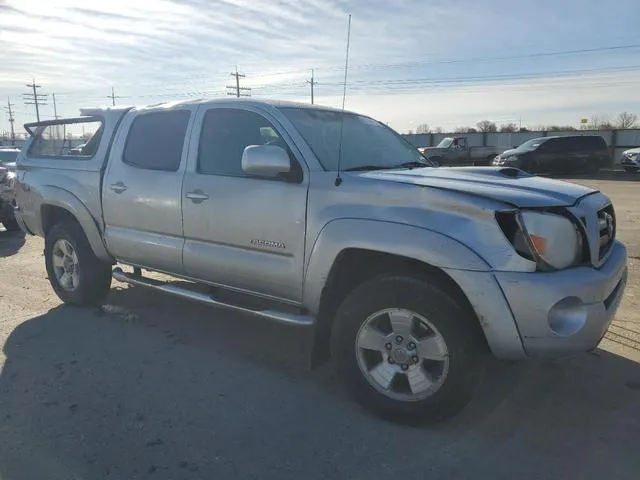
[178, 390]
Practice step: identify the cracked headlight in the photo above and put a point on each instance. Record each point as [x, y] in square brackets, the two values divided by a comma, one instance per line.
[552, 240]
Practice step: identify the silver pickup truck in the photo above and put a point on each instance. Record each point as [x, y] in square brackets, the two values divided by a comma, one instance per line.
[407, 274]
[455, 152]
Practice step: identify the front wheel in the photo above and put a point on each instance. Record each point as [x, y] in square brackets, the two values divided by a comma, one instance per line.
[11, 225]
[77, 276]
[407, 350]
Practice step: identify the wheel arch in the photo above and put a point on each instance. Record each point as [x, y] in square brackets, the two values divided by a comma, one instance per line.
[349, 252]
[61, 205]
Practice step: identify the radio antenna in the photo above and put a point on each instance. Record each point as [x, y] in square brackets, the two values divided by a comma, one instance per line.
[344, 95]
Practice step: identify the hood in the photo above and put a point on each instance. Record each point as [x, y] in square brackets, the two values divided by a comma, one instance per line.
[511, 151]
[432, 150]
[632, 150]
[505, 184]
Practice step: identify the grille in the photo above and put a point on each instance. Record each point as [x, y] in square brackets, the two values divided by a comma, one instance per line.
[606, 230]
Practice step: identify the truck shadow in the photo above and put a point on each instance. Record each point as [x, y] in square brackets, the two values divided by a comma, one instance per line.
[10, 242]
[158, 385]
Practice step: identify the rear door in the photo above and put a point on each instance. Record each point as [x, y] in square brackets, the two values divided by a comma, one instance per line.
[546, 155]
[242, 231]
[142, 188]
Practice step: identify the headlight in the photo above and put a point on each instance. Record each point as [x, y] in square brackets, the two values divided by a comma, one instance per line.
[552, 240]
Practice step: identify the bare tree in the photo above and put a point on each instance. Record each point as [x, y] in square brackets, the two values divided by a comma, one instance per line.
[465, 130]
[410, 132]
[599, 122]
[487, 126]
[438, 130]
[560, 128]
[626, 120]
[423, 128]
[509, 128]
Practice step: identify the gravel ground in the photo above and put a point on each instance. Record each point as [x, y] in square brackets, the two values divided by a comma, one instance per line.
[162, 388]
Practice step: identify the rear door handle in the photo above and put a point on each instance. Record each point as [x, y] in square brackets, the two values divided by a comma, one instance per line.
[118, 187]
[197, 196]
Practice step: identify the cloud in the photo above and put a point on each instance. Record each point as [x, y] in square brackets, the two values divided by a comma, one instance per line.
[154, 51]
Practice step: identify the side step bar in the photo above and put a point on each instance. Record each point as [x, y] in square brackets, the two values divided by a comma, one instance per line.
[283, 317]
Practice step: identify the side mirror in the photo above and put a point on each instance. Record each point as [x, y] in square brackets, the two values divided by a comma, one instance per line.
[265, 160]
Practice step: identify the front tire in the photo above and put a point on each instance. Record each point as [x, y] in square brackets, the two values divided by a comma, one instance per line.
[407, 350]
[11, 225]
[77, 276]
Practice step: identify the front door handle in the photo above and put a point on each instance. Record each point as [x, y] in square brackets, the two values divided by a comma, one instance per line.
[197, 196]
[118, 187]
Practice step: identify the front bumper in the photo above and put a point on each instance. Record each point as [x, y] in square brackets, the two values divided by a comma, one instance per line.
[566, 311]
[630, 164]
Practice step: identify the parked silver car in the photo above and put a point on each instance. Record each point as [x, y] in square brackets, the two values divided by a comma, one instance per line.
[631, 160]
[313, 217]
[8, 156]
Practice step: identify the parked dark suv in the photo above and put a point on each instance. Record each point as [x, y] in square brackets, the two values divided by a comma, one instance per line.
[567, 154]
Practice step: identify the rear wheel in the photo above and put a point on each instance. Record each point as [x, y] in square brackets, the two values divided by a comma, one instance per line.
[77, 276]
[407, 350]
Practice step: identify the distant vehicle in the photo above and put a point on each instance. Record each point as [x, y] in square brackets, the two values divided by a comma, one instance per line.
[562, 154]
[77, 150]
[456, 151]
[631, 160]
[7, 179]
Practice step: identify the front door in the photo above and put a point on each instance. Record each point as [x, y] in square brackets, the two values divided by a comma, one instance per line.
[142, 189]
[242, 231]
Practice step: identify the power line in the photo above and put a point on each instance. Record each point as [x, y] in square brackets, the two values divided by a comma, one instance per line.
[237, 87]
[35, 98]
[113, 96]
[9, 110]
[312, 82]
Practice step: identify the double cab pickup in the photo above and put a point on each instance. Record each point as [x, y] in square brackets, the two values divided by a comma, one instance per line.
[407, 274]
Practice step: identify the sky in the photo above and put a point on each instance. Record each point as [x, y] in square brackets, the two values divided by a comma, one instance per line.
[446, 63]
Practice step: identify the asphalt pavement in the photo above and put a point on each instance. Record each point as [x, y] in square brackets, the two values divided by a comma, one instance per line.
[155, 387]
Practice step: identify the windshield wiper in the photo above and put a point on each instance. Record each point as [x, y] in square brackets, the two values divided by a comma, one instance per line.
[411, 165]
[364, 168]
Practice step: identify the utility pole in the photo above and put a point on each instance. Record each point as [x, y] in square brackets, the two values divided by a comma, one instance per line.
[35, 98]
[55, 108]
[312, 82]
[113, 96]
[237, 87]
[9, 110]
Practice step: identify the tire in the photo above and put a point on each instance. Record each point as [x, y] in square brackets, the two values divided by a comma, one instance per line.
[453, 379]
[90, 277]
[11, 225]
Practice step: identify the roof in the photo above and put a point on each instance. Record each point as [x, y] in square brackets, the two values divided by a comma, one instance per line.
[210, 101]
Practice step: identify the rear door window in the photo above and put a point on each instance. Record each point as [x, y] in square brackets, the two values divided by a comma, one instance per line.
[156, 140]
[72, 139]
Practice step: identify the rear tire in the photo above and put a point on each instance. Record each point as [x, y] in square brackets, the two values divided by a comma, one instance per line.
[11, 225]
[77, 276]
[436, 357]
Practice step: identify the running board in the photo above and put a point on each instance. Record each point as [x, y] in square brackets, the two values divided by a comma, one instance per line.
[283, 317]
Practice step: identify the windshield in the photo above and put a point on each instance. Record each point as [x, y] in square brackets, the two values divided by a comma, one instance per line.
[532, 144]
[8, 156]
[365, 142]
[445, 143]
